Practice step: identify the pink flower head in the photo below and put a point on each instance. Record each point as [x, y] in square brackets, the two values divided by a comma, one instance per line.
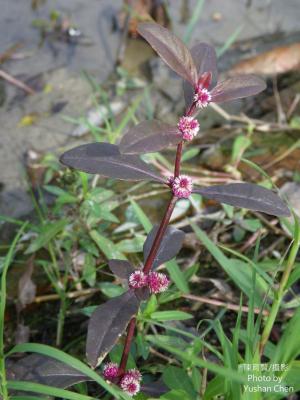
[137, 279]
[182, 186]
[130, 385]
[202, 97]
[158, 282]
[189, 127]
[110, 371]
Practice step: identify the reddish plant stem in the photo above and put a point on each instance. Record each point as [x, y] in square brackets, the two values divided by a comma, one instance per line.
[126, 350]
[178, 160]
[159, 235]
[148, 265]
[153, 252]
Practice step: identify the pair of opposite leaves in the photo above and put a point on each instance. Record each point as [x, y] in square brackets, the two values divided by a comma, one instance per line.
[123, 161]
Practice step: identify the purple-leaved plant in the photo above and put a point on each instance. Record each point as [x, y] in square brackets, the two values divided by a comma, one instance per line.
[198, 69]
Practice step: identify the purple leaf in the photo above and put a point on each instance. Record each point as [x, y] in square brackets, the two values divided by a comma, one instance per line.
[105, 159]
[149, 136]
[45, 370]
[246, 195]
[169, 246]
[107, 324]
[142, 293]
[238, 87]
[121, 268]
[205, 59]
[170, 49]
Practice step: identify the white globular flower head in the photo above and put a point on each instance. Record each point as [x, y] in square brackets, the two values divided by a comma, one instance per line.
[137, 279]
[130, 385]
[202, 97]
[182, 186]
[188, 127]
[135, 373]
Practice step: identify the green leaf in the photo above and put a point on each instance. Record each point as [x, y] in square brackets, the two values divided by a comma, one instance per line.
[151, 306]
[100, 194]
[241, 143]
[176, 395]
[191, 153]
[110, 289]
[143, 347]
[98, 212]
[46, 234]
[106, 246]
[214, 388]
[62, 195]
[134, 245]
[170, 316]
[177, 378]
[89, 269]
[88, 311]
[196, 379]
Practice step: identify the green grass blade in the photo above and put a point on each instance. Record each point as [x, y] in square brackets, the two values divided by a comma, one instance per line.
[239, 272]
[196, 361]
[193, 21]
[142, 217]
[177, 276]
[7, 261]
[26, 398]
[69, 360]
[232, 38]
[47, 390]
[170, 315]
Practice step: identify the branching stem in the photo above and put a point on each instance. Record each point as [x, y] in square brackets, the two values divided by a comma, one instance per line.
[154, 249]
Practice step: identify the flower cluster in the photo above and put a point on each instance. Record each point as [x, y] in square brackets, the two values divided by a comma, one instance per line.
[189, 127]
[202, 97]
[181, 186]
[130, 382]
[156, 282]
